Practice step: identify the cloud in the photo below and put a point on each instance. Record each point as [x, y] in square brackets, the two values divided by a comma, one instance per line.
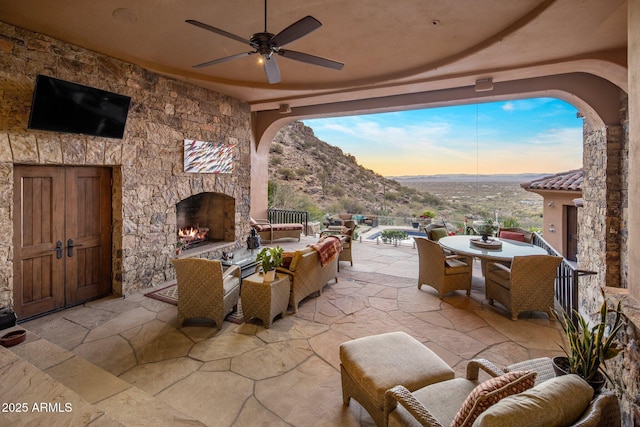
[532, 135]
[508, 106]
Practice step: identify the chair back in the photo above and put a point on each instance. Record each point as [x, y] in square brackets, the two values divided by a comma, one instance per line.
[351, 226]
[431, 235]
[198, 278]
[527, 235]
[431, 259]
[540, 268]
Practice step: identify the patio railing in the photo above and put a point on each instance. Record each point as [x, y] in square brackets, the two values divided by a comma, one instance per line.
[567, 280]
[286, 216]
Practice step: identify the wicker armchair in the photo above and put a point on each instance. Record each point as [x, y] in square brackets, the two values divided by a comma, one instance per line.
[527, 286]
[346, 231]
[443, 273]
[204, 291]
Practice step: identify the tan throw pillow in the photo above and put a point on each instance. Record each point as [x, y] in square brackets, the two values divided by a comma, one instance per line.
[490, 392]
[297, 256]
[560, 401]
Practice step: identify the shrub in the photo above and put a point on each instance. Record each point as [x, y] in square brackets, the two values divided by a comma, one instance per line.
[393, 235]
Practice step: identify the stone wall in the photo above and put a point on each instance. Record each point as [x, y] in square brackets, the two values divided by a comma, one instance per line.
[147, 163]
[603, 230]
[601, 222]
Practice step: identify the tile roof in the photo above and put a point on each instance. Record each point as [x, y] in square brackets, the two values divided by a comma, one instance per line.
[564, 181]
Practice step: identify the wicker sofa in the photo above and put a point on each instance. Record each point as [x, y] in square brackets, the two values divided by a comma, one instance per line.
[307, 275]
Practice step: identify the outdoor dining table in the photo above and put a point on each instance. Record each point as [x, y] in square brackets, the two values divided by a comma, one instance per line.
[462, 245]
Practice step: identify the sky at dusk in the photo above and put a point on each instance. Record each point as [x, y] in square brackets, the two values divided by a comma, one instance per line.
[541, 135]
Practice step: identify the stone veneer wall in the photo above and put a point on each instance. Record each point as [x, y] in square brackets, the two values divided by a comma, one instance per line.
[147, 164]
[603, 230]
[601, 221]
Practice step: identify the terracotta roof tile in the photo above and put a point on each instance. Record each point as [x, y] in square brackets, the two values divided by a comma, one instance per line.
[564, 181]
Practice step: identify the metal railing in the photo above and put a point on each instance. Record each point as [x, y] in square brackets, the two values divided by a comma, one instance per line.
[286, 216]
[566, 287]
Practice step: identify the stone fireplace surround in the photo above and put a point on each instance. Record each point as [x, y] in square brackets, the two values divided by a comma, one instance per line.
[148, 173]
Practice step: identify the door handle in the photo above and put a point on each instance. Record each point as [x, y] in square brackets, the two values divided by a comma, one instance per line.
[70, 246]
[58, 249]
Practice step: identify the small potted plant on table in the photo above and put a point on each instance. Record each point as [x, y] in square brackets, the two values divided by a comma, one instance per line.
[270, 259]
[589, 347]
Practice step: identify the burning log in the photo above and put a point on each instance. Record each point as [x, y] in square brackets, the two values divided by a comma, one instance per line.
[191, 235]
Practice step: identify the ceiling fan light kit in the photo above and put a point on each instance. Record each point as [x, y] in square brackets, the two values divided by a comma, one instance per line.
[267, 45]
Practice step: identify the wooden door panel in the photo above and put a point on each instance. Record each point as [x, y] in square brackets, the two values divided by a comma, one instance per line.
[38, 226]
[88, 231]
[571, 236]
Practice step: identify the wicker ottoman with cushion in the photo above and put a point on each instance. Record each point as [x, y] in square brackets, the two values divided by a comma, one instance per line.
[369, 366]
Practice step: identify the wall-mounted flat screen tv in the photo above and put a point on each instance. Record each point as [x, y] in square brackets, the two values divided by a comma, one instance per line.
[62, 106]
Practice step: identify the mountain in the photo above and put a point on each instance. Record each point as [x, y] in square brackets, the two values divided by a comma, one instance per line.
[307, 173]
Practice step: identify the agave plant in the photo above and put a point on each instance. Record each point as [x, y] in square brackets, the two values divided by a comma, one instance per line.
[589, 347]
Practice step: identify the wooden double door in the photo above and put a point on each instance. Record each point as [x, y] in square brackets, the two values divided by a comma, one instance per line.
[62, 237]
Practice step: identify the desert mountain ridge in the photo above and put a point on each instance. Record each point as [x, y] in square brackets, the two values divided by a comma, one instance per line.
[306, 173]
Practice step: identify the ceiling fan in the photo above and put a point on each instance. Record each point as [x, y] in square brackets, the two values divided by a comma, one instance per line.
[266, 45]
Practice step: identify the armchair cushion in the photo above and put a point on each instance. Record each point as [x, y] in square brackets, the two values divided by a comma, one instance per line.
[512, 235]
[559, 401]
[452, 263]
[490, 392]
[439, 233]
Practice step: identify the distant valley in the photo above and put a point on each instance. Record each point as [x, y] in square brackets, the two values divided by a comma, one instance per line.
[521, 178]
[308, 174]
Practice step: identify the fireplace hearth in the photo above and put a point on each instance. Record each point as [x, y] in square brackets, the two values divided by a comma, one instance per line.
[205, 218]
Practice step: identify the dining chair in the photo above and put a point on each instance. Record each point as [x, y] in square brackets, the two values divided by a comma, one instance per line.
[528, 285]
[204, 291]
[444, 273]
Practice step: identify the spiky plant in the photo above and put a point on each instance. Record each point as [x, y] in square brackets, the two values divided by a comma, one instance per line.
[589, 347]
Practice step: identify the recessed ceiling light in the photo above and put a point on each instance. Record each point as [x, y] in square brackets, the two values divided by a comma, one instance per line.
[435, 22]
[124, 15]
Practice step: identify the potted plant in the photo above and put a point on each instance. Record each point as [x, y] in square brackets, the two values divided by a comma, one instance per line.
[485, 228]
[414, 221]
[270, 259]
[589, 347]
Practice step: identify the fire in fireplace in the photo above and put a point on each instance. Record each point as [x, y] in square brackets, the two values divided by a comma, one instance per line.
[192, 236]
[205, 218]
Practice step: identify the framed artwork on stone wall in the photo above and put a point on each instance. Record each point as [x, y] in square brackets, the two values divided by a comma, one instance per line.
[208, 157]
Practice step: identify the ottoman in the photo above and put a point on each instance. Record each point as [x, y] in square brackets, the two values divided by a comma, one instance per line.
[369, 366]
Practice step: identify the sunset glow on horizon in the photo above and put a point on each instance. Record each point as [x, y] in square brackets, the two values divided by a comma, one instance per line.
[541, 135]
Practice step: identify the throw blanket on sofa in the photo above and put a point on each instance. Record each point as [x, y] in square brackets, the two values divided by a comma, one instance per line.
[328, 248]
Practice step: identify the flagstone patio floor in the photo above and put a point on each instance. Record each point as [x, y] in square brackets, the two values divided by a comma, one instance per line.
[123, 361]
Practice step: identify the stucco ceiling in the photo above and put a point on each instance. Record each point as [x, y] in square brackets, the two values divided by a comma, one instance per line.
[387, 47]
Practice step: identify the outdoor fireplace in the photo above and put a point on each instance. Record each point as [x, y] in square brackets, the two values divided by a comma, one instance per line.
[205, 218]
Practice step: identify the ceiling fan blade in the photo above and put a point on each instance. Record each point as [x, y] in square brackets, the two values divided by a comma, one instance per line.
[311, 59]
[218, 31]
[271, 70]
[225, 59]
[296, 30]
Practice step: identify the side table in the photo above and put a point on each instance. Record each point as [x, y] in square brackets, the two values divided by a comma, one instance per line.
[265, 300]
